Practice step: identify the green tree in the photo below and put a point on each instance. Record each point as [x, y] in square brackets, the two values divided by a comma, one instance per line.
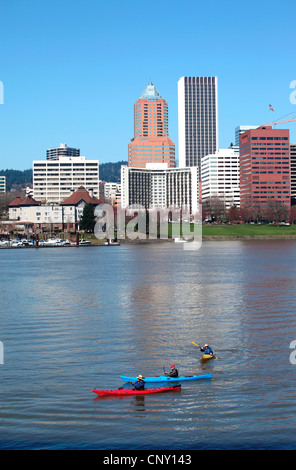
[88, 221]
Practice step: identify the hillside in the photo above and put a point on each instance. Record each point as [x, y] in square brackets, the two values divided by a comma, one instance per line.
[110, 172]
[17, 178]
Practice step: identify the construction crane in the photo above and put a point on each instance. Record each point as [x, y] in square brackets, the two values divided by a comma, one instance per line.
[280, 122]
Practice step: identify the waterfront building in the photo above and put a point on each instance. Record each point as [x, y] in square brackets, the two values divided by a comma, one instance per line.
[62, 151]
[55, 180]
[197, 119]
[72, 207]
[23, 210]
[158, 186]
[293, 173]
[64, 216]
[264, 167]
[2, 184]
[220, 177]
[151, 142]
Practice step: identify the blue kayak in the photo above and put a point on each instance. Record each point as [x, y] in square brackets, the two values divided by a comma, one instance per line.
[165, 378]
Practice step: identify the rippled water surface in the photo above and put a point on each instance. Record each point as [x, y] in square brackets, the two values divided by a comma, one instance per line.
[74, 319]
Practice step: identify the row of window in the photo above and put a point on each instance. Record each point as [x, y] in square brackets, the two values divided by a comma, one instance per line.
[270, 138]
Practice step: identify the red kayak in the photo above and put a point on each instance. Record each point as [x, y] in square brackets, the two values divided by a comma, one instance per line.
[131, 391]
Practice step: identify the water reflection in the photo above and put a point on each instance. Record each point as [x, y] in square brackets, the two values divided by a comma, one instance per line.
[72, 319]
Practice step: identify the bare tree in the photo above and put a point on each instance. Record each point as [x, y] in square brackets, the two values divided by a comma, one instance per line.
[215, 208]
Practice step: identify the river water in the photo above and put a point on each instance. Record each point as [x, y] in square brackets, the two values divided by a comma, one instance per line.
[75, 319]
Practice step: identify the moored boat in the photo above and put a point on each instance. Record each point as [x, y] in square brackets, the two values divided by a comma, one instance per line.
[83, 242]
[53, 241]
[180, 240]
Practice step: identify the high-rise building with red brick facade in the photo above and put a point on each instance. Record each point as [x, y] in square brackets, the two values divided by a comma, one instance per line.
[264, 167]
[151, 142]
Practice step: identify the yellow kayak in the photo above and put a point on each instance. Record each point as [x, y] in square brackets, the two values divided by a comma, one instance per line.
[206, 357]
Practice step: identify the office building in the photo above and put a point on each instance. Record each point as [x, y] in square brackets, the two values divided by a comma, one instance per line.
[241, 130]
[151, 142]
[55, 180]
[264, 167]
[293, 173]
[2, 184]
[197, 119]
[220, 177]
[62, 151]
[158, 186]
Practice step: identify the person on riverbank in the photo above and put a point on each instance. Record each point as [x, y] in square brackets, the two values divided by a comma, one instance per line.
[174, 372]
[207, 350]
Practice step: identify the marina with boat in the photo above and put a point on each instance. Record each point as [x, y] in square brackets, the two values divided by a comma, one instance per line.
[44, 243]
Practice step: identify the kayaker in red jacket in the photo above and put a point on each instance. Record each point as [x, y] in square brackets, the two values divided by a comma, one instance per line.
[174, 372]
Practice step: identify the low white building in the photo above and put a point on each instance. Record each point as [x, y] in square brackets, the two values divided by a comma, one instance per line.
[220, 177]
[64, 216]
[55, 180]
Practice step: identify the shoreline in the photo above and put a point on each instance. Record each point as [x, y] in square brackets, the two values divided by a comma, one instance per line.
[248, 237]
[141, 241]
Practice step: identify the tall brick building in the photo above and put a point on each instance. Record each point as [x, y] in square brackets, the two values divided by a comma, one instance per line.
[264, 167]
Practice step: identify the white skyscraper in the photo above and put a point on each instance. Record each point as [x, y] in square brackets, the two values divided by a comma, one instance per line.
[220, 177]
[197, 119]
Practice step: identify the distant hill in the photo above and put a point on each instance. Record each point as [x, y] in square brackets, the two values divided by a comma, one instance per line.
[109, 172]
[17, 178]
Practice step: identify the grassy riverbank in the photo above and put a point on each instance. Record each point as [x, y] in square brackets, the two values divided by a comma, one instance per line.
[249, 230]
[220, 232]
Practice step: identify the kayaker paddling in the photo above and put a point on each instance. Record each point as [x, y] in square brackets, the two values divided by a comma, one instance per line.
[207, 350]
[140, 384]
[174, 372]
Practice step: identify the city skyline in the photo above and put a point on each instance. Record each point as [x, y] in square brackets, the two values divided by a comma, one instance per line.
[62, 84]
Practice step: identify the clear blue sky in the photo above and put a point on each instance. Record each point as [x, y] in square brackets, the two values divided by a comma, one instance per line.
[73, 69]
